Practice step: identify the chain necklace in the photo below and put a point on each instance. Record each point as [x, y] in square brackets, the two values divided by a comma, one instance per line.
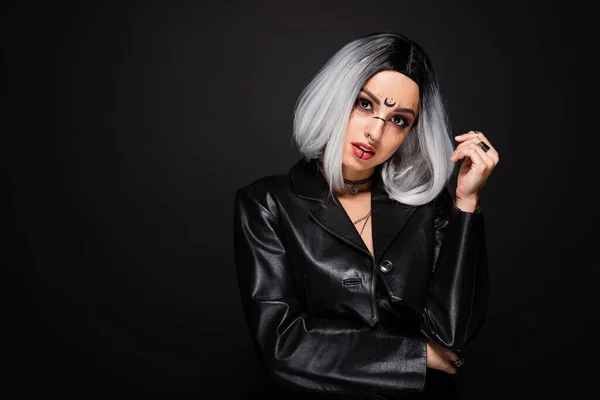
[366, 219]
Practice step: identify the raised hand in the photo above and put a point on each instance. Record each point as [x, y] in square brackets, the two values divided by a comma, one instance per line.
[476, 168]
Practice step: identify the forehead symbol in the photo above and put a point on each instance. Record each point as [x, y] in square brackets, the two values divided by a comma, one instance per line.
[389, 103]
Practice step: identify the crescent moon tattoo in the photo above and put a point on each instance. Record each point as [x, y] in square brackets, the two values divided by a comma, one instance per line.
[389, 104]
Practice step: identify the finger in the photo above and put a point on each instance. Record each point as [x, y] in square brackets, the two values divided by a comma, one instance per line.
[467, 136]
[452, 356]
[479, 136]
[475, 153]
[449, 368]
[475, 144]
[482, 137]
[489, 162]
[469, 142]
[491, 153]
[477, 140]
[476, 158]
[437, 357]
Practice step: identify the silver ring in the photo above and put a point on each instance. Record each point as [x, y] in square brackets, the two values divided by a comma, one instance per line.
[459, 362]
[370, 139]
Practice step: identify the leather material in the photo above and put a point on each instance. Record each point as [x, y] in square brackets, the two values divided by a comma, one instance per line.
[307, 283]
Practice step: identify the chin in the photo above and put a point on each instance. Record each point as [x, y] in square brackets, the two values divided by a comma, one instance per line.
[359, 165]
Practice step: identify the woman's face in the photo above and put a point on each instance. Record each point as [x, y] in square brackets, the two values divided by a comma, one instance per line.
[385, 109]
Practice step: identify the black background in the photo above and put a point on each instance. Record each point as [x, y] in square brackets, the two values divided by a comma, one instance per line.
[127, 126]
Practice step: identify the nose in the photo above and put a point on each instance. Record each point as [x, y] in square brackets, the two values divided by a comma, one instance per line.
[375, 128]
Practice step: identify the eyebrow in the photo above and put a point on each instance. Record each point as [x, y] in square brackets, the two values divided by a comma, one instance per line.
[376, 100]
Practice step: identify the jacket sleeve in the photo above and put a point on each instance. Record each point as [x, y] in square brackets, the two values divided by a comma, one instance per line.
[300, 350]
[458, 295]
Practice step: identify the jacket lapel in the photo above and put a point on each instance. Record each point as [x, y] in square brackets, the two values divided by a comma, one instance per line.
[332, 217]
[388, 216]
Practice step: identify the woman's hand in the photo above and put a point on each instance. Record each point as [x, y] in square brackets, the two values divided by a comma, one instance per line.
[440, 358]
[476, 168]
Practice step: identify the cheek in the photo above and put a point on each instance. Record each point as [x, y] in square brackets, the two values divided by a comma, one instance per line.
[355, 125]
[393, 143]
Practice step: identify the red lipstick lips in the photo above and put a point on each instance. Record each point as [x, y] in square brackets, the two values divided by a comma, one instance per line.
[363, 150]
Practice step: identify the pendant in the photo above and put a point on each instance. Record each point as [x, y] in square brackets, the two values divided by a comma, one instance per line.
[354, 190]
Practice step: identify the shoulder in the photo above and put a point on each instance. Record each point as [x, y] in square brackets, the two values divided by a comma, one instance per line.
[267, 192]
[263, 186]
[276, 185]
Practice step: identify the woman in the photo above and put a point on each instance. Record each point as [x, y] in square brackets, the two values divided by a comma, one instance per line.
[360, 274]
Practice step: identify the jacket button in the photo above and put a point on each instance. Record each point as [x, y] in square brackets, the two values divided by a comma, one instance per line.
[385, 266]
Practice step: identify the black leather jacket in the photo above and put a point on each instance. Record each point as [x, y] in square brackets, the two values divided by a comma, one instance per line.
[307, 283]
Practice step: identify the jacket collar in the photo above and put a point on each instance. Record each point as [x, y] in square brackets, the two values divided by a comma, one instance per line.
[387, 216]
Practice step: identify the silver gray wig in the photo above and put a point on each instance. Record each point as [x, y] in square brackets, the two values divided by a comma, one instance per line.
[421, 167]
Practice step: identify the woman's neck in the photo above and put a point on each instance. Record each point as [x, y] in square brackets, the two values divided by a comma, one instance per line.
[354, 175]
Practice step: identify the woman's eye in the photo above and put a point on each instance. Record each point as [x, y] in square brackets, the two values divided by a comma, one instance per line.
[364, 104]
[399, 121]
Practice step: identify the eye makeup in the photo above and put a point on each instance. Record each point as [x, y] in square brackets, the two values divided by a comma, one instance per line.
[376, 101]
[365, 105]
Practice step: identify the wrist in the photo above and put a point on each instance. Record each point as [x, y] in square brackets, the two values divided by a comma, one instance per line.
[468, 205]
